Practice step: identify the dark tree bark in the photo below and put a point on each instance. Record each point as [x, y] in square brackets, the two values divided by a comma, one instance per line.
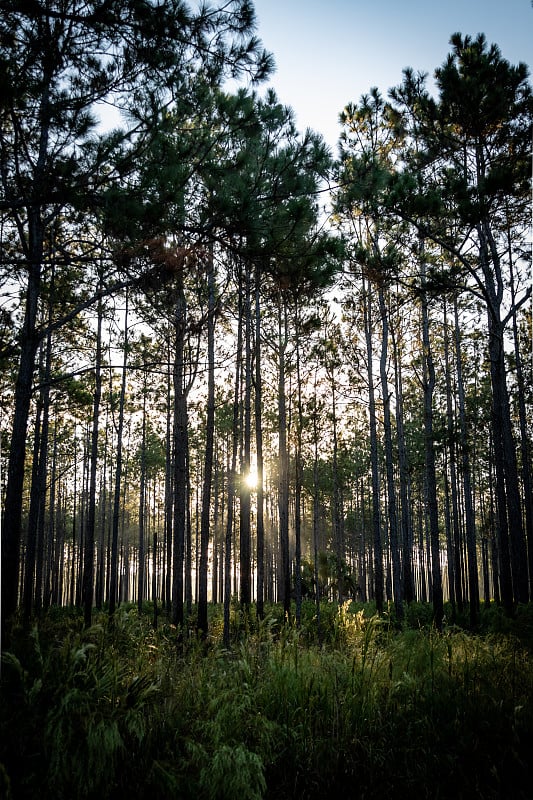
[232, 488]
[284, 585]
[404, 478]
[245, 550]
[514, 585]
[429, 448]
[180, 441]
[389, 460]
[167, 578]
[525, 442]
[466, 475]
[338, 513]
[453, 532]
[88, 574]
[209, 449]
[29, 340]
[298, 476]
[114, 565]
[316, 512]
[142, 505]
[376, 511]
[37, 500]
[260, 524]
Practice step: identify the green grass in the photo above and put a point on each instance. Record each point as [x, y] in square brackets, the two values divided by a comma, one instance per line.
[371, 711]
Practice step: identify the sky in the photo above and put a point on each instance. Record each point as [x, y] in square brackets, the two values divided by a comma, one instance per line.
[330, 52]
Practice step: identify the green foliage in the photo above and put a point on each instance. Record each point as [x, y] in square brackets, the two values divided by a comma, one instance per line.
[374, 711]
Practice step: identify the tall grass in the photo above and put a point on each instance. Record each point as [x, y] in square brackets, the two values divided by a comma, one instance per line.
[371, 712]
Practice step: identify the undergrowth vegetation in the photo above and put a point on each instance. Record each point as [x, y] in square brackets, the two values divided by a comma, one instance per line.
[363, 707]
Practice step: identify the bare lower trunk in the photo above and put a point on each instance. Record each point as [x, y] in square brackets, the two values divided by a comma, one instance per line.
[389, 463]
[429, 445]
[88, 561]
[12, 529]
[283, 485]
[208, 462]
[260, 525]
[245, 549]
[376, 513]
[180, 459]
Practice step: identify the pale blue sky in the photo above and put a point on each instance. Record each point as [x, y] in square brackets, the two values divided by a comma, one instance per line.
[330, 52]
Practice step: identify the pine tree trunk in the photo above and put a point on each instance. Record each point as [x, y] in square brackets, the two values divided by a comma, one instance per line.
[180, 458]
[298, 479]
[429, 447]
[142, 505]
[525, 442]
[114, 565]
[29, 342]
[39, 532]
[466, 474]
[209, 447]
[453, 533]
[389, 462]
[88, 575]
[336, 505]
[316, 513]
[245, 552]
[260, 523]
[52, 529]
[283, 483]
[405, 481]
[167, 578]
[231, 488]
[376, 512]
[38, 478]
[101, 558]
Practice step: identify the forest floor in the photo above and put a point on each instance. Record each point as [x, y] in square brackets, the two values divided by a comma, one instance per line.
[372, 709]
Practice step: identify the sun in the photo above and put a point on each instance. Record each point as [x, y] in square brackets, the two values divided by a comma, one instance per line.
[250, 479]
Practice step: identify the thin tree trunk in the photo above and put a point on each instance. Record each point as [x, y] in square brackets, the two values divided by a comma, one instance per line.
[38, 479]
[244, 488]
[283, 483]
[429, 446]
[453, 533]
[142, 505]
[231, 489]
[376, 514]
[156, 564]
[389, 461]
[525, 442]
[466, 474]
[167, 533]
[209, 447]
[52, 519]
[113, 579]
[298, 479]
[405, 481]
[29, 342]
[180, 456]
[337, 509]
[40, 520]
[260, 523]
[316, 514]
[88, 575]
[102, 575]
